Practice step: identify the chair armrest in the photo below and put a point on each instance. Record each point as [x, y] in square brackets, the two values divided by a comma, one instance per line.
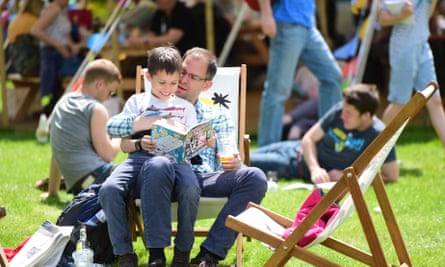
[246, 146]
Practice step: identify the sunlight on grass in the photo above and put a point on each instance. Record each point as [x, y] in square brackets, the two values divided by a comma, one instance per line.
[417, 201]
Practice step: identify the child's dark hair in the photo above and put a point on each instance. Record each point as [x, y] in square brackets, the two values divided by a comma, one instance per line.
[164, 58]
[364, 97]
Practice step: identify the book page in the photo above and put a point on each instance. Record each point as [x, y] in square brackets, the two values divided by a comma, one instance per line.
[173, 141]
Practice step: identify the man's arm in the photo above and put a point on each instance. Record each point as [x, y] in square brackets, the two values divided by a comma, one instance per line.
[308, 143]
[268, 24]
[105, 147]
[390, 171]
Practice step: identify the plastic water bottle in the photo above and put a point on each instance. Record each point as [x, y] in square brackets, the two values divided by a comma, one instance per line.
[83, 255]
[42, 130]
[97, 218]
[272, 181]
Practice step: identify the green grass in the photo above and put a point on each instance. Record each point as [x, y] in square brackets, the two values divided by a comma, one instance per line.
[417, 201]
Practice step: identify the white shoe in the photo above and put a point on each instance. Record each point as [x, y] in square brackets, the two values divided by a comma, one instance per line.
[42, 131]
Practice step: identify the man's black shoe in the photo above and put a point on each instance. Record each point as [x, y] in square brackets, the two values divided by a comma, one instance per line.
[181, 258]
[128, 260]
[157, 263]
[206, 261]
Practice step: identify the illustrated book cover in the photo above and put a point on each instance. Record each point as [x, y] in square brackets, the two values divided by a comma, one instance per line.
[178, 141]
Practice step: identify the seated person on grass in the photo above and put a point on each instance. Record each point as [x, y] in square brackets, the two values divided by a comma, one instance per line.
[81, 147]
[332, 144]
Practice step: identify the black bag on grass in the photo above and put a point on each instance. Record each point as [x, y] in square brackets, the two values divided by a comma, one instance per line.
[83, 207]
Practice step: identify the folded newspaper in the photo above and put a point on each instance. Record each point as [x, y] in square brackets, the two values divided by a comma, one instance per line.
[44, 248]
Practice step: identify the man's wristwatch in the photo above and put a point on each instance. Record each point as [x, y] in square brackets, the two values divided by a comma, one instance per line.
[138, 145]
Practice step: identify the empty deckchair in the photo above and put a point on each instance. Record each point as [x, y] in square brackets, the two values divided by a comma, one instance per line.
[267, 226]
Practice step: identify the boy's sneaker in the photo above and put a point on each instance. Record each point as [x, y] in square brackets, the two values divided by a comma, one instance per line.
[128, 260]
[181, 258]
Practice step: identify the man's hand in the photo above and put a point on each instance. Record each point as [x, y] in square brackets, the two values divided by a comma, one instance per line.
[335, 175]
[268, 25]
[232, 164]
[142, 123]
[211, 141]
[320, 175]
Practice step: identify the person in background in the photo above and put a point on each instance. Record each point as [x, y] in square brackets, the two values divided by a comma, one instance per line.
[229, 179]
[411, 60]
[23, 48]
[305, 113]
[81, 147]
[53, 29]
[140, 172]
[25, 20]
[172, 23]
[294, 38]
[332, 144]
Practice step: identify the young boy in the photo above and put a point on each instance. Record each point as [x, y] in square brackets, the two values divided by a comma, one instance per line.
[131, 178]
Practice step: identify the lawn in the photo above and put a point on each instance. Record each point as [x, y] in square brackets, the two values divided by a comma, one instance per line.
[417, 200]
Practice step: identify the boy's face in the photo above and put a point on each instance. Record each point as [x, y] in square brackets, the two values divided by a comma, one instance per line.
[163, 84]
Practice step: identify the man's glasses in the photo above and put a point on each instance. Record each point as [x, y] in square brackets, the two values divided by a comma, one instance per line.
[192, 76]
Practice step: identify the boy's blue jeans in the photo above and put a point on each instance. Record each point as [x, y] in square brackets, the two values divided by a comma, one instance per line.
[155, 180]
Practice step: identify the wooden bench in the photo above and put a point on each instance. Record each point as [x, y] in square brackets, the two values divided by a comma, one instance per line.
[32, 85]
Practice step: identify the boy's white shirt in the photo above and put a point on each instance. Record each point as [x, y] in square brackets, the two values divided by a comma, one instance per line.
[138, 103]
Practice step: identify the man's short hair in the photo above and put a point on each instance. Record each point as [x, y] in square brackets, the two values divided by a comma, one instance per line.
[364, 97]
[102, 69]
[164, 58]
[211, 65]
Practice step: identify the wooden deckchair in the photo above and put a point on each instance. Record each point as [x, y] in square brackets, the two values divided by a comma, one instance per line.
[228, 91]
[350, 189]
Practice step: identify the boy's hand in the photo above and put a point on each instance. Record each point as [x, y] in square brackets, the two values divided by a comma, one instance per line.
[211, 140]
[147, 144]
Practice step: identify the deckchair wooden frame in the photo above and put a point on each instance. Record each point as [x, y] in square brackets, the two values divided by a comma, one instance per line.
[348, 184]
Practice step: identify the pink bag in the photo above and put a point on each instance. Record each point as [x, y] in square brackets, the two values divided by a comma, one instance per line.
[318, 227]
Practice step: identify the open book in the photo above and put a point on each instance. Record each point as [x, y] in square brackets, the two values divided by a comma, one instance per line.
[45, 246]
[179, 142]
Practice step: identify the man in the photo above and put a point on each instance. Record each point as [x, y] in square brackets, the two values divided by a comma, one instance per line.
[80, 144]
[241, 185]
[173, 22]
[294, 38]
[332, 144]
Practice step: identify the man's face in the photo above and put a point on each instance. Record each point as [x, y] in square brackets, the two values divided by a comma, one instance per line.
[192, 79]
[106, 89]
[165, 5]
[352, 120]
